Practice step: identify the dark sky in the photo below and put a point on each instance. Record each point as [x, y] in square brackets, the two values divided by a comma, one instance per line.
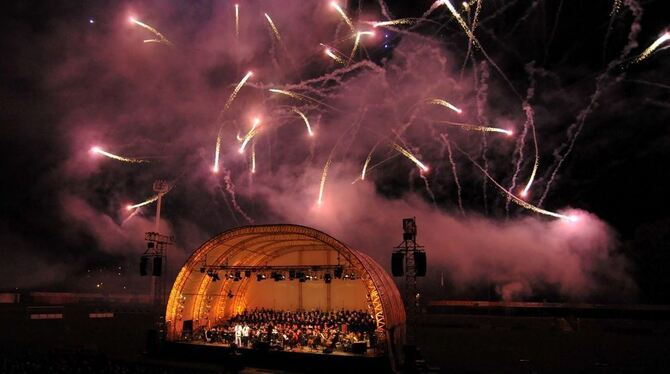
[67, 83]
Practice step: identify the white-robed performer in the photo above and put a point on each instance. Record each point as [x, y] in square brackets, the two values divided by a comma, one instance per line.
[238, 335]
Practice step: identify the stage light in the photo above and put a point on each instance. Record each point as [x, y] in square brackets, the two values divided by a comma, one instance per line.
[338, 272]
[260, 277]
[247, 273]
[328, 278]
[291, 274]
[237, 276]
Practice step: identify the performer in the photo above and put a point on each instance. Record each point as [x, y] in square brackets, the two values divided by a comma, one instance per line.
[238, 335]
[245, 335]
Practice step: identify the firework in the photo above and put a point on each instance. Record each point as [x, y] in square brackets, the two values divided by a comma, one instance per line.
[236, 90]
[357, 40]
[273, 27]
[446, 104]
[217, 151]
[410, 156]
[145, 202]
[647, 52]
[301, 97]
[344, 16]
[100, 151]
[304, 118]
[253, 157]
[159, 37]
[287, 93]
[401, 21]
[536, 164]
[516, 199]
[470, 127]
[616, 6]
[237, 21]
[335, 57]
[367, 162]
[324, 175]
[250, 134]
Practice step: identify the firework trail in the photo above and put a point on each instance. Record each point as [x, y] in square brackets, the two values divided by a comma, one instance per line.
[230, 187]
[217, 152]
[445, 139]
[616, 6]
[131, 215]
[273, 27]
[237, 21]
[159, 37]
[518, 151]
[357, 40]
[324, 175]
[237, 89]
[344, 16]
[410, 156]
[482, 89]
[395, 22]
[513, 197]
[253, 157]
[473, 28]
[143, 203]
[647, 52]
[367, 161]
[100, 151]
[304, 118]
[470, 127]
[603, 81]
[250, 134]
[446, 104]
[301, 97]
[335, 57]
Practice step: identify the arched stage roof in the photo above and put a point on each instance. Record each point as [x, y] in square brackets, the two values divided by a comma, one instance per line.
[194, 296]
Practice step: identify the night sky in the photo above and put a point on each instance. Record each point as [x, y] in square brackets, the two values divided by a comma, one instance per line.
[76, 74]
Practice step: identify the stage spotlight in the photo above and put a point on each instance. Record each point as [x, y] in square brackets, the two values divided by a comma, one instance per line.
[291, 274]
[215, 277]
[260, 277]
[247, 273]
[237, 276]
[301, 276]
[327, 278]
[338, 272]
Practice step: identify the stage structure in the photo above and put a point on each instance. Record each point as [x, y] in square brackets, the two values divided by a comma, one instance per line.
[283, 267]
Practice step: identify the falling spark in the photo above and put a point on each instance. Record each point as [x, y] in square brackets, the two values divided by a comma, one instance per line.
[647, 52]
[304, 118]
[303, 98]
[217, 151]
[536, 164]
[616, 6]
[334, 56]
[146, 202]
[100, 151]
[446, 104]
[159, 37]
[273, 27]
[324, 175]
[516, 199]
[250, 134]
[253, 157]
[236, 90]
[357, 40]
[470, 127]
[459, 19]
[344, 16]
[410, 156]
[401, 21]
[237, 21]
[287, 93]
[367, 162]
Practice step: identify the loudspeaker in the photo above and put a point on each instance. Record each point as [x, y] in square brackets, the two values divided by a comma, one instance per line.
[420, 263]
[158, 266]
[397, 266]
[144, 261]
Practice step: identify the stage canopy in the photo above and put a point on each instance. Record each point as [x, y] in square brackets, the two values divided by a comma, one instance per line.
[234, 271]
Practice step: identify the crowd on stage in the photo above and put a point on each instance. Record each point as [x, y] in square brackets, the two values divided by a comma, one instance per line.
[301, 330]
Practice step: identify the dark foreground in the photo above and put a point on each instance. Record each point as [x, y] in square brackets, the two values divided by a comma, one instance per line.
[457, 341]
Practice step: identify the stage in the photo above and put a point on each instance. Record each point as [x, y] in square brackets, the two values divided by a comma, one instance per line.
[267, 358]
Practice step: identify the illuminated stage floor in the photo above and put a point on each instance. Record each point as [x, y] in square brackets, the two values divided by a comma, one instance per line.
[369, 352]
